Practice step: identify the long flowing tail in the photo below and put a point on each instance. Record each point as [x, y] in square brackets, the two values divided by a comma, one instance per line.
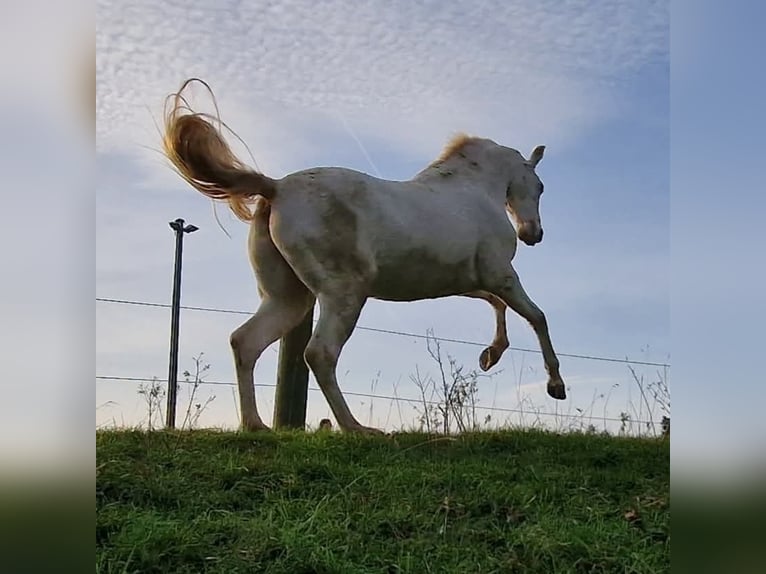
[202, 157]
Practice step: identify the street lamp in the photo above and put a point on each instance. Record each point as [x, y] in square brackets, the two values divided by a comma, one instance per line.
[180, 229]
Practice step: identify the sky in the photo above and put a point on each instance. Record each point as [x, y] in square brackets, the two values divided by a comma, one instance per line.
[381, 88]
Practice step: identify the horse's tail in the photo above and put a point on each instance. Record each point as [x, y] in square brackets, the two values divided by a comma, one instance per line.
[202, 157]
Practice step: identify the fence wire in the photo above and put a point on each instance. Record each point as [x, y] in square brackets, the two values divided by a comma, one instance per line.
[530, 411]
[416, 401]
[391, 332]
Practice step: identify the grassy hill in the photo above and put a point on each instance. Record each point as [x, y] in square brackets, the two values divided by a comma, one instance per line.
[295, 503]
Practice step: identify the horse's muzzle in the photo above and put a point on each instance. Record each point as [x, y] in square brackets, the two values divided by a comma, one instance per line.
[531, 235]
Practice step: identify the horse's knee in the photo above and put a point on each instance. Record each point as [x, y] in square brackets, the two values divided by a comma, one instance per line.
[537, 318]
[319, 356]
[315, 354]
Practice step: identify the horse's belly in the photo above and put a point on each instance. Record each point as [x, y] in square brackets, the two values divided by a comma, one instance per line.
[421, 276]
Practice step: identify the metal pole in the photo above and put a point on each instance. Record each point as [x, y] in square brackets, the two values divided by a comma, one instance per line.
[175, 315]
[292, 389]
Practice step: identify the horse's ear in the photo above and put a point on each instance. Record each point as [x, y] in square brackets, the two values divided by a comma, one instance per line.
[537, 155]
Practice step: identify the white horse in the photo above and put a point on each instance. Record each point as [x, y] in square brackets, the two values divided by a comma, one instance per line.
[340, 237]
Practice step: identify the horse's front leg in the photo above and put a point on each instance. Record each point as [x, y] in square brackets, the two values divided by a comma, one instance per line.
[509, 289]
[491, 355]
[339, 310]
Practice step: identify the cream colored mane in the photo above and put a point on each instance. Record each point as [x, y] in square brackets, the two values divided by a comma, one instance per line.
[454, 146]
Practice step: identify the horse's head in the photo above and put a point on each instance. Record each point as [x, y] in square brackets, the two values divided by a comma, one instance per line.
[523, 198]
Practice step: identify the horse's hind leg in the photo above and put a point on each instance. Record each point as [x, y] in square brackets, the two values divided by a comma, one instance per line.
[284, 303]
[509, 289]
[338, 314]
[491, 355]
[273, 320]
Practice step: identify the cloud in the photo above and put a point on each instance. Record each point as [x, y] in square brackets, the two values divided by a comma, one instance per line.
[407, 74]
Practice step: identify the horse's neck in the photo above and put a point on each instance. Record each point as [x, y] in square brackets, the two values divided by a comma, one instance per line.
[458, 172]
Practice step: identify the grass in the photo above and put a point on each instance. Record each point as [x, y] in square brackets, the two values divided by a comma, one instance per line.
[296, 503]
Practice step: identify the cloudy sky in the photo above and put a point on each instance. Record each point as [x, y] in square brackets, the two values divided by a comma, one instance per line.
[380, 87]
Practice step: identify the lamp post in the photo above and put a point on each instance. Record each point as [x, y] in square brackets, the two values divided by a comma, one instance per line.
[180, 229]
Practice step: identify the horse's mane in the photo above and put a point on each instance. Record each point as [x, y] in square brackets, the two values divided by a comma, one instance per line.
[454, 146]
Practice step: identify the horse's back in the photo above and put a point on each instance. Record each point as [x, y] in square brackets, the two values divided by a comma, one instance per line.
[388, 210]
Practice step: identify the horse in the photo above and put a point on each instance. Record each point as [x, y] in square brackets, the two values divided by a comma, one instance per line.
[338, 237]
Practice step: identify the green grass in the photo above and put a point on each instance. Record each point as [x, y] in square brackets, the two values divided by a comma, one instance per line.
[294, 503]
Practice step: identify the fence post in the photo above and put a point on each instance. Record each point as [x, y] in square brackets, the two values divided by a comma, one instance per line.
[292, 389]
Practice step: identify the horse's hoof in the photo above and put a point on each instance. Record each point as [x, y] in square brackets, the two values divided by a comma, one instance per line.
[556, 389]
[486, 360]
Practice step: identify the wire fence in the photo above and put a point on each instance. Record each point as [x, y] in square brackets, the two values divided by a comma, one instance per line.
[391, 332]
[410, 400]
[580, 415]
